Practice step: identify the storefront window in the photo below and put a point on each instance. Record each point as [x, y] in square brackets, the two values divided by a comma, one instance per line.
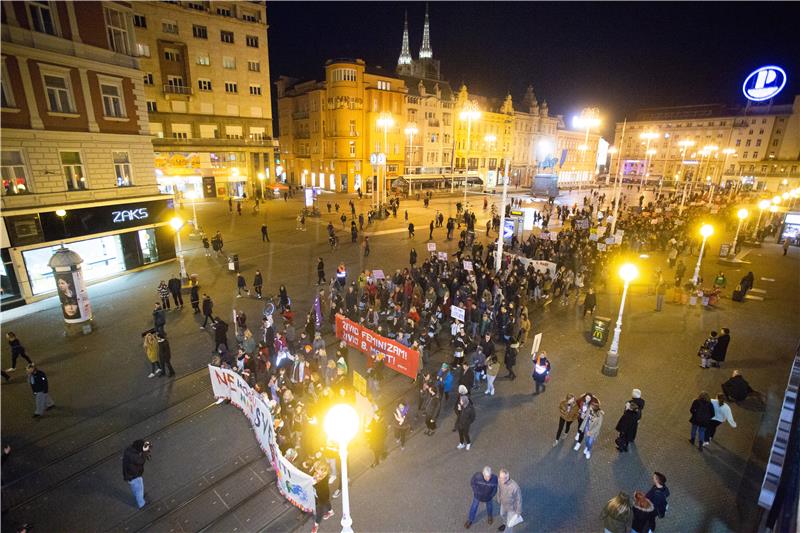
[102, 257]
[147, 244]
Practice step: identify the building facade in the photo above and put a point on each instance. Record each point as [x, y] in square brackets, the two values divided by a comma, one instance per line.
[578, 156]
[757, 147]
[534, 131]
[205, 67]
[330, 130]
[77, 160]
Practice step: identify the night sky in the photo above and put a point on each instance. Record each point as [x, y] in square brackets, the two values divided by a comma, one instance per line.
[617, 56]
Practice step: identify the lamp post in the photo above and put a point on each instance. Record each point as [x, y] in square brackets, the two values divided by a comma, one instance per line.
[469, 113]
[742, 214]
[762, 205]
[618, 180]
[384, 121]
[498, 258]
[684, 144]
[177, 224]
[648, 136]
[193, 197]
[706, 232]
[728, 152]
[490, 139]
[628, 272]
[588, 119]
[411, 130]
[341, 425]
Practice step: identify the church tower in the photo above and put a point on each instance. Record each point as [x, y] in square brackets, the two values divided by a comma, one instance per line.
[404, 62]
[426, 52]
[426, 67]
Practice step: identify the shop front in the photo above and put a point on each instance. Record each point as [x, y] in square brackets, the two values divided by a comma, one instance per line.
[111, 239]
[203, 174]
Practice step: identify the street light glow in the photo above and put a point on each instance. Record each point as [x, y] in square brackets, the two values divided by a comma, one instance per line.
[176, 223]
[385, 120]
[411, 129]
[763, 204]
[341, 423]
[649, 135]
[742, 214]
[628, 272]
[707, 230]
[773, 209]
[61, 212]
[776, 200]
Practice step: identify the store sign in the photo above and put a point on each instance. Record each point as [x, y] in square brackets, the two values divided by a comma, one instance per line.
[764, 83]
[126, 215]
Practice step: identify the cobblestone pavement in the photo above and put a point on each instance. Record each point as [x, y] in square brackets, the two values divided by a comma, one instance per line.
[64, 471]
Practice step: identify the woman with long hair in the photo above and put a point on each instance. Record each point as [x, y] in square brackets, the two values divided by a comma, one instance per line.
[617, 516]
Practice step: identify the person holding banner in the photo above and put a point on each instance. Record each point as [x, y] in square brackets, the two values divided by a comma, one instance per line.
[323, 509]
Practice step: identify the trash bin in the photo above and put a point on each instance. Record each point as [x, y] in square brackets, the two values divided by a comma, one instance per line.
[601, 325]
[233, 263]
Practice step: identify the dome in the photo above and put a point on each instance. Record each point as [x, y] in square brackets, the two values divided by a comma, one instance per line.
[64, 257]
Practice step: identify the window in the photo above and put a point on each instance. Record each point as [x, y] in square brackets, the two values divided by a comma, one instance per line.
[169, 26]
[256, 133]
[255, 90]
[224, 11]
[117, 30]
[6, 94]
[209, 131]
[113, 105]
[171, 54]
[352, 149]
[755, 155]
[42, 17]
[233, 132]
[251, 41]
[152, 107]
[344, 74]
[14, 172]
[142, 50]
[226, 36]
[758, 142]
[738, 142]
[761, 131]
[73, 171]
[228, 62]
[744, 155]
[59, 93]
[148, 78]
[747, 143]
[231, 87]
[122, 169]
[200, 32]
[181, 131]
[384, 86]
[204, 60]
[204, 85]
[139, 21]
[353, 128]
[249, 17]
[175, 81]
[197, 6]
[254, 66]
[774, 143]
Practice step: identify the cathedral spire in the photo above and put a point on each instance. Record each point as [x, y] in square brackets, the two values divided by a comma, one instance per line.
[426, 52]
[405, 52]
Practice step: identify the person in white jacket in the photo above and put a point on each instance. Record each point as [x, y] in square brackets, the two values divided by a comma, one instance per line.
[722, 413]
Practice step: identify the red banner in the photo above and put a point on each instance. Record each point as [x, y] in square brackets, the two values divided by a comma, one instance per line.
[396, 356]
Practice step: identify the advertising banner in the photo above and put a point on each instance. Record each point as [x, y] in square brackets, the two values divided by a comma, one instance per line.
[295, 485]
[399, 358]
[75, 306]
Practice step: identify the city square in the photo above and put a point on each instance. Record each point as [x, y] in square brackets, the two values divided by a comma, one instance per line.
[627, 235]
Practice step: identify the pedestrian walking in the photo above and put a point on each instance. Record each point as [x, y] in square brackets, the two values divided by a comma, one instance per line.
[165, 357]
[430, 236]
[432, 406]
[568, 413]
[661, 291]
[376, 437]
[411, 230]
[17, 351]
[230, 205]
[208, 309]
[320, 271]
[239, 208]
[589, 302]
[626, 426]
[492, 369]
[702, 412]
[159, 319]
[41, 390]
[541, 372]
[163, 293]
[366, 246]
[785, 245]
[206, 246]
[258, 283]
[412, 257]
[194, 297]
[511, 359]
[720, 349]
[636, 399]
[151, 351]
[590, 428]
[465, 416]
[510, 498]
[617, 515]
[133, 460]
[484, 489]
[644, 514]
[722, 413]
[264, 233]
[401, 424]
[174, 286]
[241, 285]
[658, 494]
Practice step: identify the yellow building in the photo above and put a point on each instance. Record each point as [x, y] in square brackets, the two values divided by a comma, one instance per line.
[577, 159]
[330, 130]
[534, 131]
[206, 82]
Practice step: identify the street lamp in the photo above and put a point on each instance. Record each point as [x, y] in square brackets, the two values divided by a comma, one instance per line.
[742, 214]
[411, 130]
[177, 224]
[385, 121]
[648, 136]
[588, 119]
[193, 197]
[706, 232]
[628, 272]
[341, 425]
[469, 113]
[728, 152]
[762, 205]
[490, 139]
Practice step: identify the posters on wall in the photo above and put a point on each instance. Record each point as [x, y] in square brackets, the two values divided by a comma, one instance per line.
[295, 485]
[399, 358]
[75, 306]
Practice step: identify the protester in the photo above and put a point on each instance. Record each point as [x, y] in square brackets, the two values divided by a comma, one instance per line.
[541, 372]
[568, 413]
[722, 413]
[465, 416]
[133, 468]
[41, 390]
[510, 498]
[617, 515]
[644, 514]
[484, 489]
[702, 412]
[402, 424]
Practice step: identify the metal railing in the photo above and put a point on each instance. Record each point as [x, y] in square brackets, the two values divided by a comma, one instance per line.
[177, 89]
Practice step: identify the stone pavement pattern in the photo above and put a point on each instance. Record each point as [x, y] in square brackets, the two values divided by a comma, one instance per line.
[204, 462]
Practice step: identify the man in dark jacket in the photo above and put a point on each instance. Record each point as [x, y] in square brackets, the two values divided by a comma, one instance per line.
[165, 356]
[432, 405]
[737, 388]
[636, 398]
[466, 376]
[159, 320]
[174, 286]
[40, 388]
[133, 468]
[376, 437]
[208, 308]
[659, 493]
[721, 348]
[320, 271]
[484, 489]
[194, 297]
[220, 333]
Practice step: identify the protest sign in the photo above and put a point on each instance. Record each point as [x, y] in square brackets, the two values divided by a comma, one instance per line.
[431, 246]
[457, 312]
[399, 358]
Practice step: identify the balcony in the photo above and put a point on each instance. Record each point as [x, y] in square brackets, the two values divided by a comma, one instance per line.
[177, 89]
[196, 142]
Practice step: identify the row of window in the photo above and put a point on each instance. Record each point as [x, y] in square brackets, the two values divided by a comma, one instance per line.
[59, 93]
[198, 31]
[16, 177]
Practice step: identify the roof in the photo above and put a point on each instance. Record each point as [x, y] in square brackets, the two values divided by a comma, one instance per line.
[430, 86]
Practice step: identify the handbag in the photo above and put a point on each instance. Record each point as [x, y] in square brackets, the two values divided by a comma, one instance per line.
[514, 519]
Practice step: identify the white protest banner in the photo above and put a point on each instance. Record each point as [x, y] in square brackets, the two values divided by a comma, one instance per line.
[537, 341]
[296, 486]
[593, 237]
[467, 265]
[457, 312]
[378, 274]
[431, 246]
[544, 266]
[442, 256]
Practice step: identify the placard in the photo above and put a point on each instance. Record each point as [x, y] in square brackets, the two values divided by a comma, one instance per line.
[457, 312]
[593, 237]
[431, 246]
[601, 247]
[442, 256]
[467, 265]
[537, 341]
[399, 358]
[359, 383]
[378, 274]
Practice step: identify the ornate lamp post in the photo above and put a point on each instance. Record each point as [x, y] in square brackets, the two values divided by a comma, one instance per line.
[706, 231]
[628, 272]
[341, 425]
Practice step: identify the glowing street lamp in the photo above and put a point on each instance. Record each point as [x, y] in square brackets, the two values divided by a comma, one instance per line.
[628, 272]
[469, 113]
[588, 119]
[384, 121]
[706, 231]
[177, 224]
[742, 214]
[762, 205]
[341, 425]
